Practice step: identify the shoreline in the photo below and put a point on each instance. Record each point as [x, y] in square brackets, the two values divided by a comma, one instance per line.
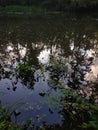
[37, 10]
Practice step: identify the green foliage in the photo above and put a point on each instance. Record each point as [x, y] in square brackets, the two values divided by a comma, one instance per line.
[21, 9]
[24, 67]
[93, 122]
[25, 71]
[5, 120]
[8, 126]
[90, 124]
[3, 114]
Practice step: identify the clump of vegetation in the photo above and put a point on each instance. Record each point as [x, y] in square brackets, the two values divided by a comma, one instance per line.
[25, 72]
[93, 120]
[78, 102]
[5, 120]
[80, 110]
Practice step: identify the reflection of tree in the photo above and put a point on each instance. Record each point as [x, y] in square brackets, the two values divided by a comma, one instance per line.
[24, 57]
[70, 57]
[26, 73]
[49, 31]
[34, 35]
[72, 69]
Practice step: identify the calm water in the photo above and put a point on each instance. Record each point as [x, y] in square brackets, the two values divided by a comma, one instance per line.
[38, 53]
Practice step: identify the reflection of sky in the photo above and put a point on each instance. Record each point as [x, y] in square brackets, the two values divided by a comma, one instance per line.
[22, 50]
[44, 55]
[11, 54]
[93, 74]
[90, 53]
[29, 96]
[29, 102]
[22, 98]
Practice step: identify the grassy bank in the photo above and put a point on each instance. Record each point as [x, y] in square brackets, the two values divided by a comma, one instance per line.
[24, 10]
[20, 10]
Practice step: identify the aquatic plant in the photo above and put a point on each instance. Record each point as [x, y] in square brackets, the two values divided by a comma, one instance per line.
[5, 120]
[80, 109]
[25, 72]
[93, 120]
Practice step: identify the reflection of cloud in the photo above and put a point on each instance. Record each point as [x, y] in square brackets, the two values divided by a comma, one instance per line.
[95, 70]
[9, 48]
[44, 56]
[72, 45]
[90, 53]
[92, 76]
[22, 50]
[10, 55]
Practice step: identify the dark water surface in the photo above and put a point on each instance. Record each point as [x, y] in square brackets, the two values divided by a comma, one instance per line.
[37, 54]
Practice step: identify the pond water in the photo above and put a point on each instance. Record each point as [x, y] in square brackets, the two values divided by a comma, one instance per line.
[37, 55]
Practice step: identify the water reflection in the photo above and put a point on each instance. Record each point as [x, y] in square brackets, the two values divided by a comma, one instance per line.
[35, 59]
[44, 56]
[93, 74]
[47, 52]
